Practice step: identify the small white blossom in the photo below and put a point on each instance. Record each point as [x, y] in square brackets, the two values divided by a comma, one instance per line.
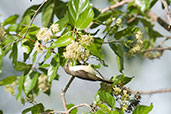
[73, 51]
[118, 21]
[86, 40]
[44, 34]
[139, 35]
[54, 28]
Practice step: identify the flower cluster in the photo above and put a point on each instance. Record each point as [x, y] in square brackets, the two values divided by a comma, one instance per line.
[123, 95]
[44, 35]
[118, 21]
[138, 45]
[11, 88]
[153, 55]
[86, 40]
[43, 84]
[54, 28]
[39, 47]
[76, 50]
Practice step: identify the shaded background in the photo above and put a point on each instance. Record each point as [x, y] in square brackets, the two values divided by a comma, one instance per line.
[149, 74]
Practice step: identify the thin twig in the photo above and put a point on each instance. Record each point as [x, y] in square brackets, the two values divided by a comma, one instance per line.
[64, 91]
[157, 49]
[72, 108]
[151, 92]
[69, 83]
[132, 19]
[167, 11]
[167, 38]
[31, 22]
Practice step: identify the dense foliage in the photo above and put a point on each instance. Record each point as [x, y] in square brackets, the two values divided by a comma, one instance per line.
[68, 40]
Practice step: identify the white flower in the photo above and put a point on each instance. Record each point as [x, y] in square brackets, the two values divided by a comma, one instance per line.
[118, 21]
[86, 40]
[44, 34]
[54, 28]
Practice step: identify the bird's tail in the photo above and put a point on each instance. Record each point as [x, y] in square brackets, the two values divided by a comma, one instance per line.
[107, 81]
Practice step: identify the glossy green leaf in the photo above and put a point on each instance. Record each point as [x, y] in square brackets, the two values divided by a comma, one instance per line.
[12, 28]
[104, 108]
[47, 13]
[74, 111]
[141, 109]
[35, 109]
[126, 32]
[34, 56]
[8, 80]
[121, 79]
[53, 68]
[80, 13]
[95, 48]
[20, 87]
[10, 20]
[119, 55]
[20, 66]
[99, 112]
[107, 98]
[62, 41]
[30, 81]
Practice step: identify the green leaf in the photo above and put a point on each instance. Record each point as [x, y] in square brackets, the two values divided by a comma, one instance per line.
[1, 57]
[20, 66]
[30, 81]
[62, 41]
[8, 80]
[113, 112]
[1, 112]
[99, 112]
[34, 56]
[36, 109]
[80, 13]
[14, 54]
[10, 20]
[141, 109]
[52, 71]
[20, 87]
[60, 8]
[143, 4]
[119, 55]
[104, 108]
[126, 32]
[47, 13]
[121, 79]
[12, 28]
[74, 111]
[107, 98]
[95, 48]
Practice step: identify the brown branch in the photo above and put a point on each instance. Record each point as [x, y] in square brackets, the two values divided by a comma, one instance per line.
[167, 38]
[132, 19]
[72, 108]
[167, 11]
[31, 22]
[151, 92]
[157, 49]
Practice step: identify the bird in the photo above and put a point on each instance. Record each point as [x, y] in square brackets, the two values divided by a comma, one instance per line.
[86, 72]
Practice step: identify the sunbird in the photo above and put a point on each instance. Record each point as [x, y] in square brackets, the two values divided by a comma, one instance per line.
[86, 72]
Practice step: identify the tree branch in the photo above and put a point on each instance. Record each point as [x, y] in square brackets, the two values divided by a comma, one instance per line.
[31, 22]
[151, 92]
[157, 49]
[167, 11]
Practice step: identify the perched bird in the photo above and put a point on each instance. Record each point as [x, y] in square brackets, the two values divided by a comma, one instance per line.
[86, 72]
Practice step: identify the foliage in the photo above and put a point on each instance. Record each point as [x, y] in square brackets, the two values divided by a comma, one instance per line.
[51, 42]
